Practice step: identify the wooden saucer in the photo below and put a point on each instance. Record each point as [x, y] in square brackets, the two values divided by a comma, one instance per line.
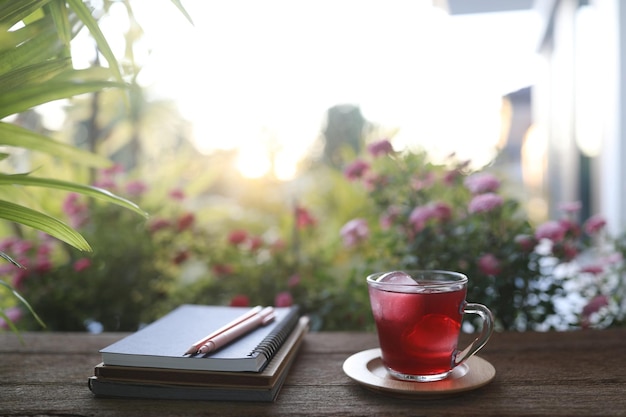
[367, 369]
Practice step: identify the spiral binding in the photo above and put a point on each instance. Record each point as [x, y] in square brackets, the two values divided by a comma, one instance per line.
[273, 341]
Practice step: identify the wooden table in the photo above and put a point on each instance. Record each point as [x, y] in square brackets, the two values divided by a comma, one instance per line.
[579, 373]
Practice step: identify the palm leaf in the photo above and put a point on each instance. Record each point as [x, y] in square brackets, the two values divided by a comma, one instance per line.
[35, 43]
[180, 7]
[23, 301]
[27, 97]
[12, 135]
[84, 15]
[35, 73]
[95, 192]
[12, 12]
[40, 221]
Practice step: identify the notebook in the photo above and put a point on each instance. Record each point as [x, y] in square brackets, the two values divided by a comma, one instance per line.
[162, 344]
[265, 378]
[129, 382]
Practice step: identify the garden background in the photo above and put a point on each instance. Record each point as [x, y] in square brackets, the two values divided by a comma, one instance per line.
[357, 206]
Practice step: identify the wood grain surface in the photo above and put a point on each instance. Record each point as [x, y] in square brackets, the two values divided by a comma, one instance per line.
[580, 373]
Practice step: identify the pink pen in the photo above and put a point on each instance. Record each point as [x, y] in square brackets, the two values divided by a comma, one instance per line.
[260, 319]
[250, 313]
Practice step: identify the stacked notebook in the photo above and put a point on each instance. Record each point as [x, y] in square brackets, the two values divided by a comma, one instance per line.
[152, 362]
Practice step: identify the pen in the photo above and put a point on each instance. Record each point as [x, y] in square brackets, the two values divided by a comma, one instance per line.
[261, 319]
[194, 348]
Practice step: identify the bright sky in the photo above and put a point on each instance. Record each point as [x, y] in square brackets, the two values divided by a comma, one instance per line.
[254, 72]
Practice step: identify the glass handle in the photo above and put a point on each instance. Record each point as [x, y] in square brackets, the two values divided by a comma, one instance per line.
[483, 337]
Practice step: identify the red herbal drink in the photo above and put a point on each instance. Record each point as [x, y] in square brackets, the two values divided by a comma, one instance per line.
[418, 316]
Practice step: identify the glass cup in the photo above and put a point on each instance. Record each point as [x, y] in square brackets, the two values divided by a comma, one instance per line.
[418, 317]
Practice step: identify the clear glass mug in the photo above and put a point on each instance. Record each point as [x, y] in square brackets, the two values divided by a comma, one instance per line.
[418, 316]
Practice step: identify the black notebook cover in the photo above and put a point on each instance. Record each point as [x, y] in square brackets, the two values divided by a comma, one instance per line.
[163, 343]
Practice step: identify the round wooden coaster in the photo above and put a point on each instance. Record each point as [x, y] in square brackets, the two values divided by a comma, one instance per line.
[367, 369]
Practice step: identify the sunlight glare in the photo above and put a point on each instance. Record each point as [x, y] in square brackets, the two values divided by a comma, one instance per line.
[406, 64]
[253, 161]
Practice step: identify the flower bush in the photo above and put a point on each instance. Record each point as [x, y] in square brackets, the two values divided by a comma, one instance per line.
[119, 285]
[422, 215]
[386, 211]
[141, 269]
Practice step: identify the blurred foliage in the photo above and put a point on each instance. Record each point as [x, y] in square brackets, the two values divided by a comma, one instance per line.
[420, 215]
[313, 241]
[36, 68]
[214, 237]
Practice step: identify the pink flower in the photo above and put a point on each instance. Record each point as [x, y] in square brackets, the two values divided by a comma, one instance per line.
[381, 147]
[106, 183]
[158, 224]
[594, 269]
[354, 232]
[177, 194]
[76, 210]
[449, 178]
[112, 170]
[423, 183]
[19, 276]
[222, 269]
[304, 218]
[278, 245]
[565, 250]
[442, 211]
[43, 265]
[570, 207]
[82, 264]
[482, 203]
[237, 237]
[180, 257]
[7, 243]
[356, 169]
[433, 211]
[255, 242]
[482, 183]
[14, 314]
[419, 216]
[594, 224]
[389, 217]
[44, 249]
[293, 281]
[185, 221]
[240, 300]
[527, 243]
[136, 188]
[283, 299]
[570, 227]
[595, 305]
[373, 181]
[592, 307]
[488, 264]
[552, 230]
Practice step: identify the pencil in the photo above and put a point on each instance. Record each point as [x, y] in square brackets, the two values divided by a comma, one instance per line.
[194, 348]
[260, 319]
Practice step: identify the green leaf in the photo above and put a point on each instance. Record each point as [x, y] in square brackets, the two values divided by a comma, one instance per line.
[40, 221]
[12, 135]
[22, 99]
[11, 260]
[95, 192]
[92, 24]
[58, 11]
[32, 74]
[39, 44]
[180, 7]
[23, 301]
[12, 12]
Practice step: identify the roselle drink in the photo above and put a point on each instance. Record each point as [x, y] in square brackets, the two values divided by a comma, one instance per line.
[426, 324]
[418, 317]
